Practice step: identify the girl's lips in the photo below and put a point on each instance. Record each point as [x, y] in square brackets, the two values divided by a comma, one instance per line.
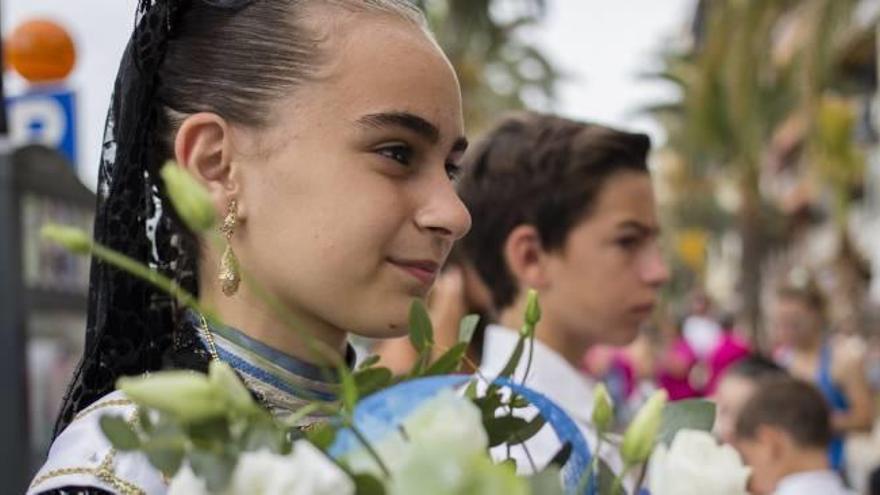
[425, 271]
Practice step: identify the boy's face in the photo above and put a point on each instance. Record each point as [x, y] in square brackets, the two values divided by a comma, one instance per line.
[766, 454]
[732, 393]
[603, 283]
[350, 209]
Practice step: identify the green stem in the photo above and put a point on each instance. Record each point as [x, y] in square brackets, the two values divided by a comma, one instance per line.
[151, 276]
[375, 455]
[617, 486]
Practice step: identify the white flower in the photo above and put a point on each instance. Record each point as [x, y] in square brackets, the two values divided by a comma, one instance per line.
[448, 417]
[305, 471]
[446, 420]
[185, 482]
[442, 469]
[696, 464]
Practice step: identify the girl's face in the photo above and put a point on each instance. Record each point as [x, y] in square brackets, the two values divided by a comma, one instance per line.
[347, 200]
[794, 323]
[604, 282]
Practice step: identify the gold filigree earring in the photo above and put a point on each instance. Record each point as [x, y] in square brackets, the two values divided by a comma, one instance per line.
[230, 278]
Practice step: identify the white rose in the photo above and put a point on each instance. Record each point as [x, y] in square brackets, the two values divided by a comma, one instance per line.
[185, 482]
[696, 464]
[305, 471]
[446, 419]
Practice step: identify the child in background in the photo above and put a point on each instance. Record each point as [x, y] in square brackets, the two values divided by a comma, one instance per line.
[735, 387]
[783, 433]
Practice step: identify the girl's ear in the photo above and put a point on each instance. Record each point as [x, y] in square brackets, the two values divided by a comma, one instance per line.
[203, 146]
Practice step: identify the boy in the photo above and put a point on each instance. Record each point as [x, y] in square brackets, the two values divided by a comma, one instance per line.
[783, 433]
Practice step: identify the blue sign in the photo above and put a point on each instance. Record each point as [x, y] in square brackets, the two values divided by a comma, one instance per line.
[45, 116]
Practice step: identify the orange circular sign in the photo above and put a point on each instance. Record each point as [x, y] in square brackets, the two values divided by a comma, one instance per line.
[41, 51]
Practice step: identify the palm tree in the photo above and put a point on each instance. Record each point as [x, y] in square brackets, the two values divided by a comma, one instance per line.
[496, 68]
[759, 64]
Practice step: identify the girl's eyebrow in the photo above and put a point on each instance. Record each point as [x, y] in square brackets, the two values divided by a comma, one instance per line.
[411, 122]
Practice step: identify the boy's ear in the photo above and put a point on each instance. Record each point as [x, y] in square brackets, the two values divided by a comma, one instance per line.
[525, 257]
[775, 440]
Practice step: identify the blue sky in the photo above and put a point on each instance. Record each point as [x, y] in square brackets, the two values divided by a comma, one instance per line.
[602, 45]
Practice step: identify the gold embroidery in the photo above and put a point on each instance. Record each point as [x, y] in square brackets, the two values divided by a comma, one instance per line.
[101, 405]
[104, 471]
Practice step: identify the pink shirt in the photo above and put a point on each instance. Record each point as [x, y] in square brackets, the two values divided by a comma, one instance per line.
[731, 348]
[678, 355]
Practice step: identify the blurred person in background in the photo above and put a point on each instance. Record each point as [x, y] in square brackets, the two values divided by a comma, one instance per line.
[735, 387]
[840, 375]
[700, 330]
[677, 369]
[783, 433]
[731, 348]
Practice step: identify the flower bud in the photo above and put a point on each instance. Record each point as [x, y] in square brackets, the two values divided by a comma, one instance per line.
[187, 395]
[638, 441]
[603, 408]
[73, 239]
[533, 312]
[189, 198]
[227, 383]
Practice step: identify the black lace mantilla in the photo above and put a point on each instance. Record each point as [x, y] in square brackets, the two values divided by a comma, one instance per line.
[131, 325]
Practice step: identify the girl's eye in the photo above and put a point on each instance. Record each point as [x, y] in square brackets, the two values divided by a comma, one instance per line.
[399, 153]
[453, 171]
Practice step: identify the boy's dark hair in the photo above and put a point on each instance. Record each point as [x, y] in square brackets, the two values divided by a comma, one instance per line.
[756, 368]
[540, 170]
[791, 405]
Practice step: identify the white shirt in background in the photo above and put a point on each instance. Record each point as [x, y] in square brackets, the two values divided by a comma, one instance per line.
[825, 482]
[552, 376]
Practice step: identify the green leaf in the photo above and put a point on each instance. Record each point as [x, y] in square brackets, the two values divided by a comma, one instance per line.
[349, 390]
[510, 463]
[561, 457]
[215, 469]
[212, 432]
[421, 333]
[502, 429]
[321, 435]
[488, 404]
[513, 361]
[467, 327]
[366, 484]
[119, 432]
[371, 380]
[263, 434]
[547, 482]
[527, 431]
[449, 362]
[165, 454]
[606, 480]
[145, 422]
[519, 402]
[370, 361]
[471, 391]
[691, 414]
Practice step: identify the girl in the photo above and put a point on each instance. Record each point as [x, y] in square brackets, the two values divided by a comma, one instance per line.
[326, 133]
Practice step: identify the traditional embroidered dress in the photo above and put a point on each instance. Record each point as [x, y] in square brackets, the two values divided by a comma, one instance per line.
[82, 461]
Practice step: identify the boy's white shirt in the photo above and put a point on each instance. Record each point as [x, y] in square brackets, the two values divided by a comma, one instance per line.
[552, 376]
[824, 482]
